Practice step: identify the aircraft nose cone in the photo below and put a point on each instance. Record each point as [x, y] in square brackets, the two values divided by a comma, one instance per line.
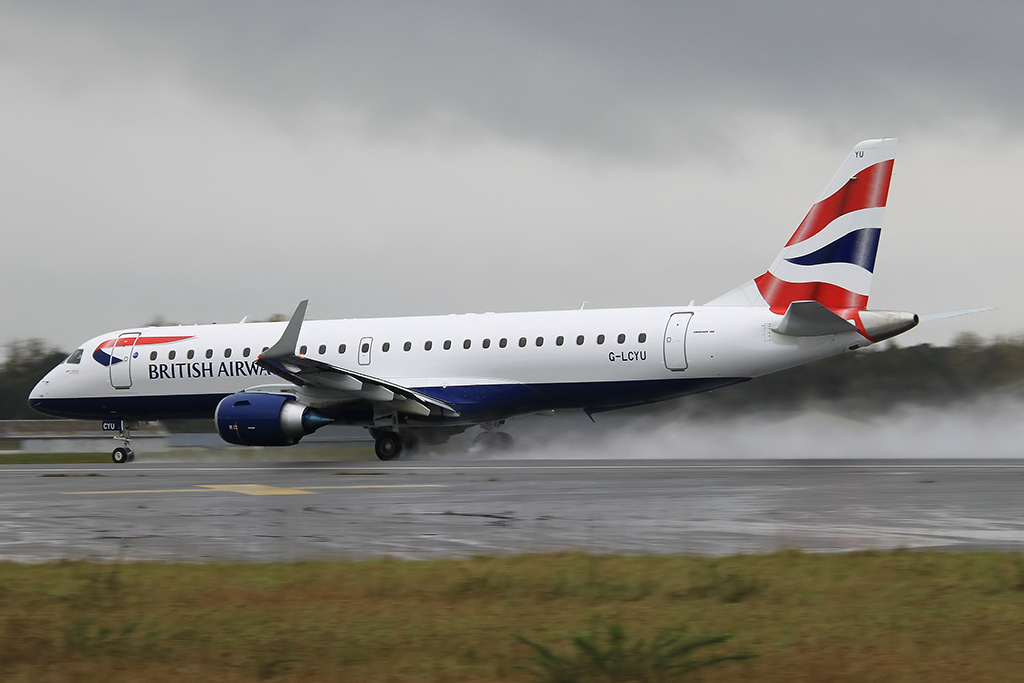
[38, 393]
[39, 390]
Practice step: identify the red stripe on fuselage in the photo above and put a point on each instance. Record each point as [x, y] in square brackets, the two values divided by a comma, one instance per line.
[139, 341]
[868, 190]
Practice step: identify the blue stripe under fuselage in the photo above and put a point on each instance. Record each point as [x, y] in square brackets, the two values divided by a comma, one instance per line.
[475, 403]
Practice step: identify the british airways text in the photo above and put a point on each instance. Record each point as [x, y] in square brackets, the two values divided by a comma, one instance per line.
[238, 368]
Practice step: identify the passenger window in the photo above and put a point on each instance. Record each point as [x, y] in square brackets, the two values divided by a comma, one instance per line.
[559, 340]
[152, 355]
[642, 338]
[407, 346]
[209, 352]
[385, 347]
[365, 349]
[447, 344]
[170, 354]
[302, 351]
[486, 343]
[190, 355]
[503, 342]
[540, 341]
[579, 340]
[522, 341]
[246, 351]
[600, 339]
[427, 345]
[342, 348]
[323, 349]
[466, 344]
[76, 357]
[227, 353]
[622, 339]
[264, 351]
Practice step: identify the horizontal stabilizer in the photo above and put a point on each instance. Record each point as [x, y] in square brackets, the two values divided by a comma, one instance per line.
[928, 317]
[811, 319]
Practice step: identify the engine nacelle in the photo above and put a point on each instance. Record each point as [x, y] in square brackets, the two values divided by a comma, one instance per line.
[253, 419]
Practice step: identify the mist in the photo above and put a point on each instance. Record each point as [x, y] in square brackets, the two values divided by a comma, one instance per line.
[989, 427]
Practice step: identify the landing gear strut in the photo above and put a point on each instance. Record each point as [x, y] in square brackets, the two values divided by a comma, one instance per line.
[123, 454]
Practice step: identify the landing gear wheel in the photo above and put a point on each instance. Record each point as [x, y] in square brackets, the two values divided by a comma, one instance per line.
[388, 446]
[494, 441]
[123, 454]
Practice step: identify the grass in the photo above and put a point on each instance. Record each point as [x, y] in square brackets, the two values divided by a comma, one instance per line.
[18, 458]
[668, 655]
[896, 616]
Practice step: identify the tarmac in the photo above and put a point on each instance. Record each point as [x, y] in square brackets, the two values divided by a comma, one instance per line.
[262, 512]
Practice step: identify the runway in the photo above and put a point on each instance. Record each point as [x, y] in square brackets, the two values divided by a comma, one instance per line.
[417, 510]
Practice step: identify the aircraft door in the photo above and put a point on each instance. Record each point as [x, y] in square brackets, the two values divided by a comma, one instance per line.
[675, 340]
[121, 360]
[365, 346]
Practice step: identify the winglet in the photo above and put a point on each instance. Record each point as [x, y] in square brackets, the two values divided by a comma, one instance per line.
[285, 346]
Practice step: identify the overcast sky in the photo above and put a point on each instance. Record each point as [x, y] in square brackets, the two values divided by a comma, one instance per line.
[197, 162]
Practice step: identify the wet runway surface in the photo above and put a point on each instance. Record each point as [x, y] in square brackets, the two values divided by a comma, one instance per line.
[418, 510]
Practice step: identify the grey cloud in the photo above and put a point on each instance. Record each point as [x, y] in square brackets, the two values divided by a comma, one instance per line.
[206, 131]
[604, 77]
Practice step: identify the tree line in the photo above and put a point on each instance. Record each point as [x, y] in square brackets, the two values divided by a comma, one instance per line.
[28, 360]
[868, 381]
[878, 379]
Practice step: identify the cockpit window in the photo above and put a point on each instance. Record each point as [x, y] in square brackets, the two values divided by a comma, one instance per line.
[75, 358]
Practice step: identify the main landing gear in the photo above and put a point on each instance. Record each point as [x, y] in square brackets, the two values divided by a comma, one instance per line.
[494, 441]
[490, 439]
[389, 444]
[123, 454]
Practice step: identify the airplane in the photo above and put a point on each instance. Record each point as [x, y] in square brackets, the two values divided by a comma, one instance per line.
[421, 380]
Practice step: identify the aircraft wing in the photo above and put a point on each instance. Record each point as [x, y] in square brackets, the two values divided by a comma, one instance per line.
[332, 384]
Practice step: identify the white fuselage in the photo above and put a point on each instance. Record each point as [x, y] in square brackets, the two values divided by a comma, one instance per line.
[489, 366]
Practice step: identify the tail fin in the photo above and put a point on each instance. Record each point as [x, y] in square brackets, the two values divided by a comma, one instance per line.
[831, 256]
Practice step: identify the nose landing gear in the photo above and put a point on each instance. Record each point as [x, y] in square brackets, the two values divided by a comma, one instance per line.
[123, 454]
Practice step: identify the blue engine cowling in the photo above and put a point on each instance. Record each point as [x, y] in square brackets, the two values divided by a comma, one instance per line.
[252, 419]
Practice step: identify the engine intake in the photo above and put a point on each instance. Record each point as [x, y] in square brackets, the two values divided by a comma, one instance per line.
[252, 419]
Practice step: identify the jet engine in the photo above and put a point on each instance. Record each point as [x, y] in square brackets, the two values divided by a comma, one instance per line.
[253, 419]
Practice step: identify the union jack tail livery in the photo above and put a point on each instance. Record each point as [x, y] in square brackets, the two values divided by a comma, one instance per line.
[831, 256]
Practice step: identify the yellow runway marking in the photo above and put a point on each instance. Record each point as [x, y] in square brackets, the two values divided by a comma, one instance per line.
[258, 489]
[89, 493]
[380, 486]
[255, 489]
